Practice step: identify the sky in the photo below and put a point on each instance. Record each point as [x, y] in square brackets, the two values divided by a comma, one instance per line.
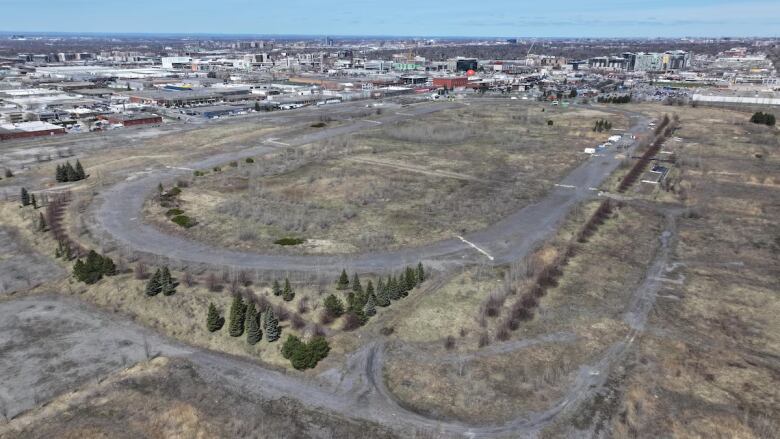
[499, 18]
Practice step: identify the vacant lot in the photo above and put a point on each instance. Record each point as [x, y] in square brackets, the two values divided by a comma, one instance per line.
[418, 181]
[483, 376]
[710, 365]
[166, 398]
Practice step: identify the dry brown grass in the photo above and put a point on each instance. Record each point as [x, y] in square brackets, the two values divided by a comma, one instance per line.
[394, 185]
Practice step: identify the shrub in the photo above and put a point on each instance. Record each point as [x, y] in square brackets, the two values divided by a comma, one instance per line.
[198, 173]
[318, 125]
[549, 122]
[305, 355]
[93, 268]
[184, 221]
[763, 118]
[175, 191]
[250, 160]
[289, 241]
[173, 212]
[217, 169]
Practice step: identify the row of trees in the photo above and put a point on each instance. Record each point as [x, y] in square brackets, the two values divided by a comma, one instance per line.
[27, 198]
[361, 303]
[763, 118]
[67, 172]
[615, 99]
[93, 268]
[246, 318]
[602, 125]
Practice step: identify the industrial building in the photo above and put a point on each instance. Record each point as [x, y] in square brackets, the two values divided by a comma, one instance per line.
[128, 120]
[25, 130]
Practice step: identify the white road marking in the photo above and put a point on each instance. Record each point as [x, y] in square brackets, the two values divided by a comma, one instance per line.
[568, 186]
[474, 246]
[179, 167]
[373, 121]
[277, 142]
[593, 188]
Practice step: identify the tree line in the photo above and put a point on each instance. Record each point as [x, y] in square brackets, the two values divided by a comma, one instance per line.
[614, 99]
[68, 173]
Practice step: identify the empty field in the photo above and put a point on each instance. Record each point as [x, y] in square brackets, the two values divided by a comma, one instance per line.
[396, 185]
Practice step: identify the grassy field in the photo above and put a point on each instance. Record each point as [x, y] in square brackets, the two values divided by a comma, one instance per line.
[479, 377]
[417, 181]
[711, 367]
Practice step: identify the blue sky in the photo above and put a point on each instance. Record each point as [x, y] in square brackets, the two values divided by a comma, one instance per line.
[565, 18]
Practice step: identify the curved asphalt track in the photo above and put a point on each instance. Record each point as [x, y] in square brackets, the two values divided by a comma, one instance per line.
[119, 211]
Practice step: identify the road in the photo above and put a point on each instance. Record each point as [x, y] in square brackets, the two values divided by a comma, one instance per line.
[118, 212]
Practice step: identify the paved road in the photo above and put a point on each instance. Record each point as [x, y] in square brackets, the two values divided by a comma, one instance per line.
[118, 216]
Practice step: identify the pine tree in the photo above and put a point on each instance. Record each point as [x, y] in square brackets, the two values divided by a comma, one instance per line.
[410, 279]
[371, 305]
[272, 330]
[41, 223]
[393, 291]
[167, 283]
[253, 331]
[80, 171]
[369, 289]
[420, 273]
[153, 285]
[288, 293]
[382, 298]
[277, 290]
[25, 197]
[356, 287]
[70, 172]
[334, 306]
[33, 201]
[237, 312]
[61, 175]
[343, 282]
[214, 321]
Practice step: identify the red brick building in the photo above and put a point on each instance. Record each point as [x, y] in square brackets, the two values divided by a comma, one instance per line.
[25, 130]
[129, 120]
[451, 83]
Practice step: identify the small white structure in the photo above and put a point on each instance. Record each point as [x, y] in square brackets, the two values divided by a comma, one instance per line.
[590, 150]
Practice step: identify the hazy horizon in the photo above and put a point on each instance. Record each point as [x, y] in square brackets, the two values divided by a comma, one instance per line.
[403, 18]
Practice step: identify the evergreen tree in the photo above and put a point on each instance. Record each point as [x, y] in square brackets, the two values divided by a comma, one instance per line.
[343, 282]
[33, 201]
[70, 173]
[41, 223]
[167, 283]
[237, 313]
[334, 306]
[370, 305]
[93, 268]
[272, 329]
[352, 303]
[382, 298]
[277, 290]
[154, 284]
[257, 106]
[410, 279]
[356, 287]
[61, 176]
[253, 331]
[80, 175]
[420, 273]
[393, 290]
[369, 289]
[25, 197]
[214, 321]
[288, 293]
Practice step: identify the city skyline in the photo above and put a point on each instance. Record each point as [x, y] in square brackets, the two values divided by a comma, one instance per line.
[610, 19]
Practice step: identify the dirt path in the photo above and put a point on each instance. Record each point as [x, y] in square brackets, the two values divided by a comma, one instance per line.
[52, 344]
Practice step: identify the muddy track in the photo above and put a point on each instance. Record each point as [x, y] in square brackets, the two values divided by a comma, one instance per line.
[117, 215]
